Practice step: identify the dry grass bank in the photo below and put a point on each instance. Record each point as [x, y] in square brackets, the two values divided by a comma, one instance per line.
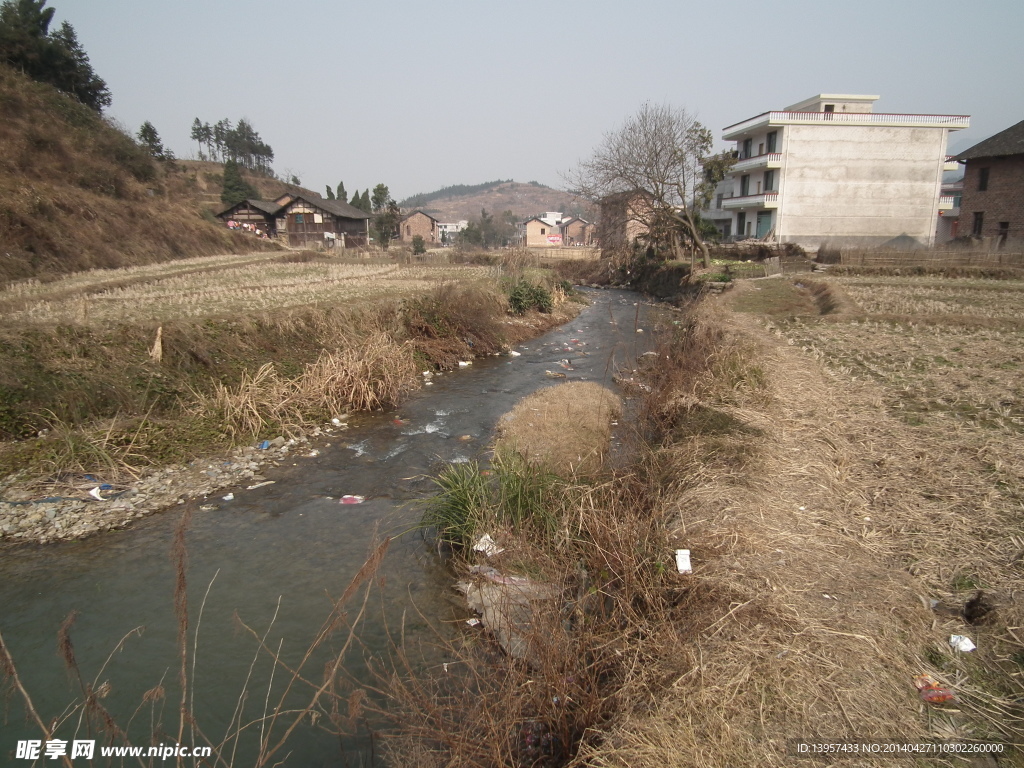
[851, 493]
[823, 524]
[123, 370]
[566, 428]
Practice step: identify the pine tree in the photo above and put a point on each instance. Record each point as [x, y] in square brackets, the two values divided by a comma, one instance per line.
[330, 192]
[151, 140]
[57, 58]
[236, 189]
[342, 194]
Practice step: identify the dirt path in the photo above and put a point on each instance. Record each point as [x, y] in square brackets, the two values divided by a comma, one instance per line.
[821, 527]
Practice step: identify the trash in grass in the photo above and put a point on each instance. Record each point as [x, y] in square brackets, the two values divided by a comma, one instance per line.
[513, 353]
[962, 643]
[95, 493]
[474, 622]
[506, 606]
[229, 497]
[336, 421]
[464, 363]
[683, 561]
[488, 546]
[259, 485]
[931, 691]
[264, 445]
[313, 453]
[349, 499]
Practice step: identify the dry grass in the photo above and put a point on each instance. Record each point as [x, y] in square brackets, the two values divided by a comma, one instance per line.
[821, 525]
[198, 288]
[366, 374]
[566, 428]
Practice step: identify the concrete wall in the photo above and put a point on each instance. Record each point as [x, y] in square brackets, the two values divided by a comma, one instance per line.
[859, 185]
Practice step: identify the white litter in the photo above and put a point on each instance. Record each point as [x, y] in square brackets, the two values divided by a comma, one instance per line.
[474, 622]
[313, 453]
[488, 546]
[229, 497]
[259, 485]
[95, 493]
[683, 561]
[962, 643]
[464, 363]
[513, 353]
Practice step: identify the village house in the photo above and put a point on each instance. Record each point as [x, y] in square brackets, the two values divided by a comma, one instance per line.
[830, 170]
[312, 222]
[448, 230]
[259, 214]
[992, 206]
[542, 231]
[577, 231]
[622, 219]
[422, 224]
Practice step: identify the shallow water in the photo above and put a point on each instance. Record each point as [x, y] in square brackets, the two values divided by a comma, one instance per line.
[291, 542]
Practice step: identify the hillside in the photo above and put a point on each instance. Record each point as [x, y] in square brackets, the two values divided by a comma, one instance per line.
[524, 200]
[200, 181]
[78, 193]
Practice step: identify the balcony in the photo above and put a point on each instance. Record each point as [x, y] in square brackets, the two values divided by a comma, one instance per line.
[739, 130]
[767, 160]
[763, 200]
[947, 203]
[951, 164]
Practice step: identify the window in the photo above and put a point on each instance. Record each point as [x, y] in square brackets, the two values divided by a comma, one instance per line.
[772, 139]
[1003, 234]
[747, 144]
[979, 222]
[718, 202]
[543, 231]
[744, 186]
[741, 222]
[769, 181]
[982, 179]
[760, 149]
[408, 230]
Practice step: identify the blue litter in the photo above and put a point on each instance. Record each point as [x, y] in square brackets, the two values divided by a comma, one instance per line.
[264, 445]
[106, 487]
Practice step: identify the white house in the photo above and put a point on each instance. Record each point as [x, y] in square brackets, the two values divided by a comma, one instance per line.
[829, 170]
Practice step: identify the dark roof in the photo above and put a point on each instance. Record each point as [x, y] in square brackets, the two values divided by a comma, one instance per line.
[260, 205]
[1008, 142]
[336, 207]
[410, 215]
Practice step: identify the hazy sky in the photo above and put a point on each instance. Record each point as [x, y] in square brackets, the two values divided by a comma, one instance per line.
[421, 95]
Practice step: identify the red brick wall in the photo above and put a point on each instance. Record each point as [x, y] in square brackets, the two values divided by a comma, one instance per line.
[418, 224]
[1002, 201]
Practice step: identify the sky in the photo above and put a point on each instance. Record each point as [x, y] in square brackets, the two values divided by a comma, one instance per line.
[424, 95]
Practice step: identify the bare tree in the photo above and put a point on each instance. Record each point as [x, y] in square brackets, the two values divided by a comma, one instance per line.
[660, 164]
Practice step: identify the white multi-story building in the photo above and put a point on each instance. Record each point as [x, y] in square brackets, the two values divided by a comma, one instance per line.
[829, 170]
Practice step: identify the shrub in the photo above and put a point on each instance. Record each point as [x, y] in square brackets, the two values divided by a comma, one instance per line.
[524, 296]
[418, 244]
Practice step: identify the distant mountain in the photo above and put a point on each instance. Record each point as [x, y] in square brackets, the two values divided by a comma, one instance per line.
[464, 201]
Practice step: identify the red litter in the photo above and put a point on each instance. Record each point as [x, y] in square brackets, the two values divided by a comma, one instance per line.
[931, 691]
[352, 499]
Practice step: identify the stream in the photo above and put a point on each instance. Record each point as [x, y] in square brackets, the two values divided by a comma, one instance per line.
[289, 547]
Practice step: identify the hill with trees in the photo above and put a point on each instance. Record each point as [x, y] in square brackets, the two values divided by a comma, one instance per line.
[78, 192]
[463, 201]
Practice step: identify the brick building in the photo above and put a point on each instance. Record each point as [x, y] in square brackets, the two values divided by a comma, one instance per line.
[992, 206]
[419, 223]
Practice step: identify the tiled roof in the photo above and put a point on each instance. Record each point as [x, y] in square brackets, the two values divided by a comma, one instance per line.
[1008, 142]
